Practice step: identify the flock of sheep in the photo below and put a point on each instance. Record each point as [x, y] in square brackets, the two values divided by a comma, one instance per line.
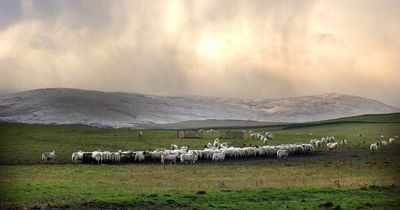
[215, 151]
[329, 141]
[380, 144]
[263, 136]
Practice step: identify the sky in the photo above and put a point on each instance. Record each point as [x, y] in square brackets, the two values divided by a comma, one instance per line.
[229, 48]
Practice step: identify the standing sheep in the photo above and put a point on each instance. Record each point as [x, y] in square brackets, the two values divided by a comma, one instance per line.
[77, 157]
[318, 143]
[373, 147]
[170, 158]
[282, 154]
[218, 157]
[383, 143]
[139, 156]
[140, 134]
[174, 147]
[332, 146]
[49, 156]
[97, 156]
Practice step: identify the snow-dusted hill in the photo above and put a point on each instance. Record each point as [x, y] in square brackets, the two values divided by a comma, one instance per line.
[115, 109]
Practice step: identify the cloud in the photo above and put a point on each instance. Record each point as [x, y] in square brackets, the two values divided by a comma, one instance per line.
[229, 48]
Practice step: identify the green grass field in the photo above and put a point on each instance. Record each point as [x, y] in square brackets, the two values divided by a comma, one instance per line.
[350, 178]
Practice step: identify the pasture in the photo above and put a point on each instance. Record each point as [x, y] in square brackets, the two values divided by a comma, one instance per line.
[350, 178]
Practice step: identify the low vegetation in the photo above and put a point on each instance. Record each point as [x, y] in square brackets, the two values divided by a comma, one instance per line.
[350, 178]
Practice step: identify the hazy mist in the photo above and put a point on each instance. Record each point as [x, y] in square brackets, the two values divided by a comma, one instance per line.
[251, 49]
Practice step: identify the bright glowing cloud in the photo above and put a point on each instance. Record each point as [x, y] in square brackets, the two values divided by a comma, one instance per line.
[254, 49]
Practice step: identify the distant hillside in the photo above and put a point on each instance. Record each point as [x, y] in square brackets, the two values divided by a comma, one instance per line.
[116, 109]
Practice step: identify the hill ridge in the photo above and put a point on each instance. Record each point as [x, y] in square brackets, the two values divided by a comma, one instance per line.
[123, 109]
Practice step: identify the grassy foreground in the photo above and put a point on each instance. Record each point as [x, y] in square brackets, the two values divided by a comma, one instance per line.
[350, 178]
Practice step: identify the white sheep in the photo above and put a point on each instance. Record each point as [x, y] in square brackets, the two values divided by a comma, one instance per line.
[312, 141]
[384, 143]
[282, 154]
[139, 156]
[332, 146]
[96, 155]
[218, 157]
[391, 141]
[140, 134]
[343, 142]
[174, 146]
[216, 143]
[318, 143]
[269, 135]
[49, 156]
[170, 158]
[373, 147]
[115, 157]
[156, 155]
[323, 140]
[188, 158]
[225, 144]
[77, 157]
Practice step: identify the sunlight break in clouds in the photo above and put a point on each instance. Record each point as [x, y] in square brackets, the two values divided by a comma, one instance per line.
[251, 49]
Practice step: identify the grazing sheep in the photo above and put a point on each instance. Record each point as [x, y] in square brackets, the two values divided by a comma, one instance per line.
[216, 144]
[253, 135]
[174, 146]
[318, 143]
[140, 156]
[77, 157]
[218, 157]
[343, 142]
[195, 154]
[140, 134]
[49, 156]
[312, 141]
[269, 135]
[308, 148]
[265, 140]
[282, 154]
[170, 158]
[391, 141]
[210, 131]
[332, 146]
[331, 139]
[105, 156]
[156, 155]
[384, 143]
[185, 148]
[96, 155]
[127, 156]
[373, 147]
[188, 158]
[225, 144]
[323, 140]
[115, 157]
